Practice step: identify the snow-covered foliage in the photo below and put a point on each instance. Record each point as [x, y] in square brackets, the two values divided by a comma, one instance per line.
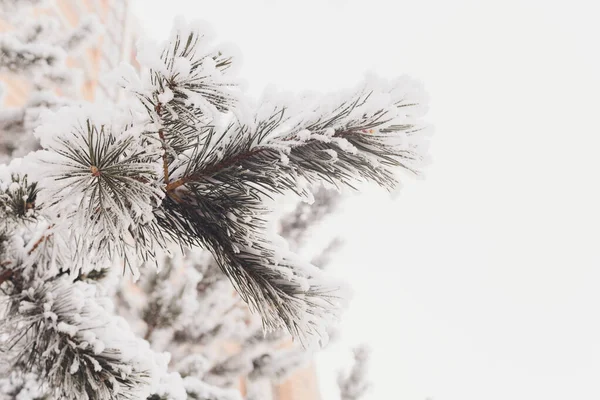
[196, 389]
[38, 50]
[71, 338]
[82, 36]
[16, 56]
[18, 386]
[189, 310]
[354, 384]
[182, 176]
[16, 124]
[10, 8]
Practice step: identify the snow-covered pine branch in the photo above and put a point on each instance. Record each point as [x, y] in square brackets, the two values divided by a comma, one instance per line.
[280, 365]
[141, 184]
[67, 336]
[174, 387]
[296, 225]
[354, 384]
[22, 387]
[17, 124]
[171, 312]
[357, 140]
[82, 35]
[326, 255]
[16, 56]
[183, 163]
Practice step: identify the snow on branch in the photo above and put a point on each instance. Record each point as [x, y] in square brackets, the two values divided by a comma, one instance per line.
[63, 331]
[196, 389]
[186, 164]
[36, 48]
[361, 139]
[41, 29]
[16, 56]
[295, 226]
[354, 384]
[174, 387]
[279, 366]
[21, 386]
[17, 124]
[82, 35]
[99, 179]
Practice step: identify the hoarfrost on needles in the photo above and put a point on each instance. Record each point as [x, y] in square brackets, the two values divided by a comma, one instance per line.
[187, 161]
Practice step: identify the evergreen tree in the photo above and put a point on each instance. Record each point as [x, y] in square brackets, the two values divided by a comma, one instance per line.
[186, 163]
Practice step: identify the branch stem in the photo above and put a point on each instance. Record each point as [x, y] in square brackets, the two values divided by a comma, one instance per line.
[226, 164]
[161, 135]
[5, 275]
[215, 168]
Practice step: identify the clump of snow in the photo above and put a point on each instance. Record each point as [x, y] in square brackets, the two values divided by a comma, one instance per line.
[70, 330]
[198, 389]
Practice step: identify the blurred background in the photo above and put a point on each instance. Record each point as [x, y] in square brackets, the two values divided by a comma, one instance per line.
[479, 282]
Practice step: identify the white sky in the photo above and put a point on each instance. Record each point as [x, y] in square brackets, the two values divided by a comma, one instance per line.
[480, 282]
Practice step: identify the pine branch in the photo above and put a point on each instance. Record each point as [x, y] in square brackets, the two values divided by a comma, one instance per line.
[219, 167]
[198, 390]
[60, 329]
[236, 168]
[182, 165]
[279, 366]
[95, 275]
[88, 29]
[297, 225]
[279, 290]
[24, 57]
[110, 190]
[105, 178]
[18, 200]
[354, 384]
[38, 30]
[326, 255]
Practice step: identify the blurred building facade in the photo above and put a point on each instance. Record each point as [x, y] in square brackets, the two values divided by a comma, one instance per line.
[303, 385]
[115, 45]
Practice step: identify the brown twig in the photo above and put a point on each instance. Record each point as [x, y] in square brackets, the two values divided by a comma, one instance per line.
[6, 275]
[149, 331]
[39, 241]
[164, 157]
[215, 168]
[161, 135]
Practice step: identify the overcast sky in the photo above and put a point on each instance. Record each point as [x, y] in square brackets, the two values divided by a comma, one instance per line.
[482, 281]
